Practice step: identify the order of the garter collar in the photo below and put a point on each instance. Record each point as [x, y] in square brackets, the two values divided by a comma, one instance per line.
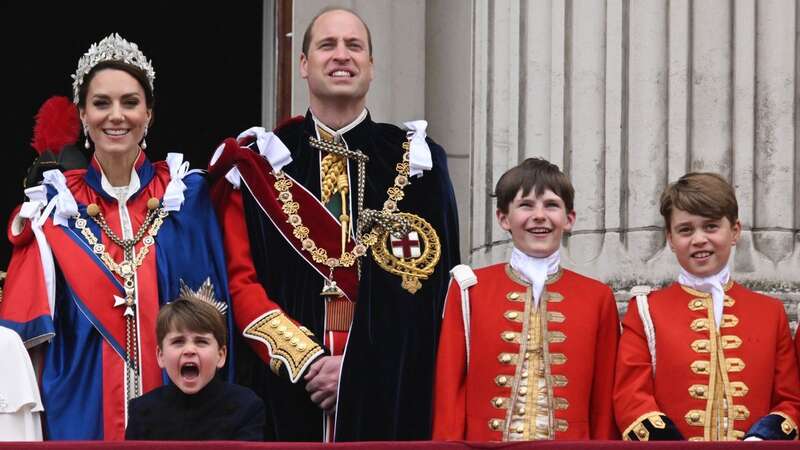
[112, 48]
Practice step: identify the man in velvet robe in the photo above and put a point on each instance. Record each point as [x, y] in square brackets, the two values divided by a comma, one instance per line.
[358, 365]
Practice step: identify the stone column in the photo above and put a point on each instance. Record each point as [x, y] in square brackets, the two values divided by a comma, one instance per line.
[627, 96]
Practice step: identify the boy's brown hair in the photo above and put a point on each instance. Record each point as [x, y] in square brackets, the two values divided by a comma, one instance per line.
[192, 315]
[700, 193]
[537, 174]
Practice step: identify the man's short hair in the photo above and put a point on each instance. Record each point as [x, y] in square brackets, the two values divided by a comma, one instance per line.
[307, 34]
[537, 174]
[190, 315]
[700, 193]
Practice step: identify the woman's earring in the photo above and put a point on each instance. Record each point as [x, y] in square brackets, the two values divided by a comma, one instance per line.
[86, 144]
[144, 142]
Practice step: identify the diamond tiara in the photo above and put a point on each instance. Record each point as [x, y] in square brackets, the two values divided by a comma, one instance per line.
[112, 48]
[204, 294]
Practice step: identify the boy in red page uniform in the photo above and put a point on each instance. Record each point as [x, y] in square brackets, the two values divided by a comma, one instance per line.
[527, 348]
[725, 366]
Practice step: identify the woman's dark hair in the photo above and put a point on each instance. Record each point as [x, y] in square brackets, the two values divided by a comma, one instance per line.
[130, 69]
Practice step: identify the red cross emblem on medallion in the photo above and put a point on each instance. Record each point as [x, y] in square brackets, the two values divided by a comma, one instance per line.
[406, 246]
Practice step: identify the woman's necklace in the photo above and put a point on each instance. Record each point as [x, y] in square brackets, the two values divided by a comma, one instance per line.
[126, 269]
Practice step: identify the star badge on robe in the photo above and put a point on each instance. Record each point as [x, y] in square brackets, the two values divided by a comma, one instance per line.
[412, 256]
[127, 302]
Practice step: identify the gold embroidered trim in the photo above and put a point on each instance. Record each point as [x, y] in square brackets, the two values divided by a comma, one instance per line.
[698, 391]
[285, 341]
[696, 417]
[717, 404]
[700, 345]
[554, 297]
[500, 402]
[556, 337]
[699, 325]
[731, 341]
[507, 358]
[555, 277]
[555, 316]
[515, 296]
[734, 365]
[697, 293]
[739, 389]
[510, 336]
[740, 412]
[559, 380]
[517, 278]
[638, 428]
[788, 425]
[275, 365]
[729, 321]
[502, 380]
[700, 367]
[697, 304]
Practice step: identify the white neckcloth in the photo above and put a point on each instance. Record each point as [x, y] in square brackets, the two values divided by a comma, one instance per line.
[711, 284]
[535, 270]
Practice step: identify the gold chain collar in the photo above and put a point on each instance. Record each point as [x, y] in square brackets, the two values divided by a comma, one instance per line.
[373, 227]
[126, 269]
[131, 260]
[302, 233]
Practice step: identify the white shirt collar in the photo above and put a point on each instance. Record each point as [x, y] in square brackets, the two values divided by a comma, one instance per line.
[535, 270]
[344, 129]
[122, 195]
[713, 284]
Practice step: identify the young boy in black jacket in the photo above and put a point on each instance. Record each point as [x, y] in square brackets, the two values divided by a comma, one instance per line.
[197, 405]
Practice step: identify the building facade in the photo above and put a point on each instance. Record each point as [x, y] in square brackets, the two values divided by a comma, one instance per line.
[626, 96]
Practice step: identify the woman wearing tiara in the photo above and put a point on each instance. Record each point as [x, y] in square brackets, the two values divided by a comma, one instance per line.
[97, 249]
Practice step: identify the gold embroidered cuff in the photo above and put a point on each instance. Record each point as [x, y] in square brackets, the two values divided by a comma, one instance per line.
[289, 345]
[638, 428]
[788, 425]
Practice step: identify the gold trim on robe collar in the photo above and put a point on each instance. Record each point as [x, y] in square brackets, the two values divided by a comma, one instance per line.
[517, 278]
[696, 293]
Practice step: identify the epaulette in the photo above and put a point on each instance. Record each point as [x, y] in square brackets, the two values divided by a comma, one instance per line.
[641, 292]
[466, 278]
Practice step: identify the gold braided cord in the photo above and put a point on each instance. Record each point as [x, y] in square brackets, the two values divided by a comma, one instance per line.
[332, 168]
[373, 226]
